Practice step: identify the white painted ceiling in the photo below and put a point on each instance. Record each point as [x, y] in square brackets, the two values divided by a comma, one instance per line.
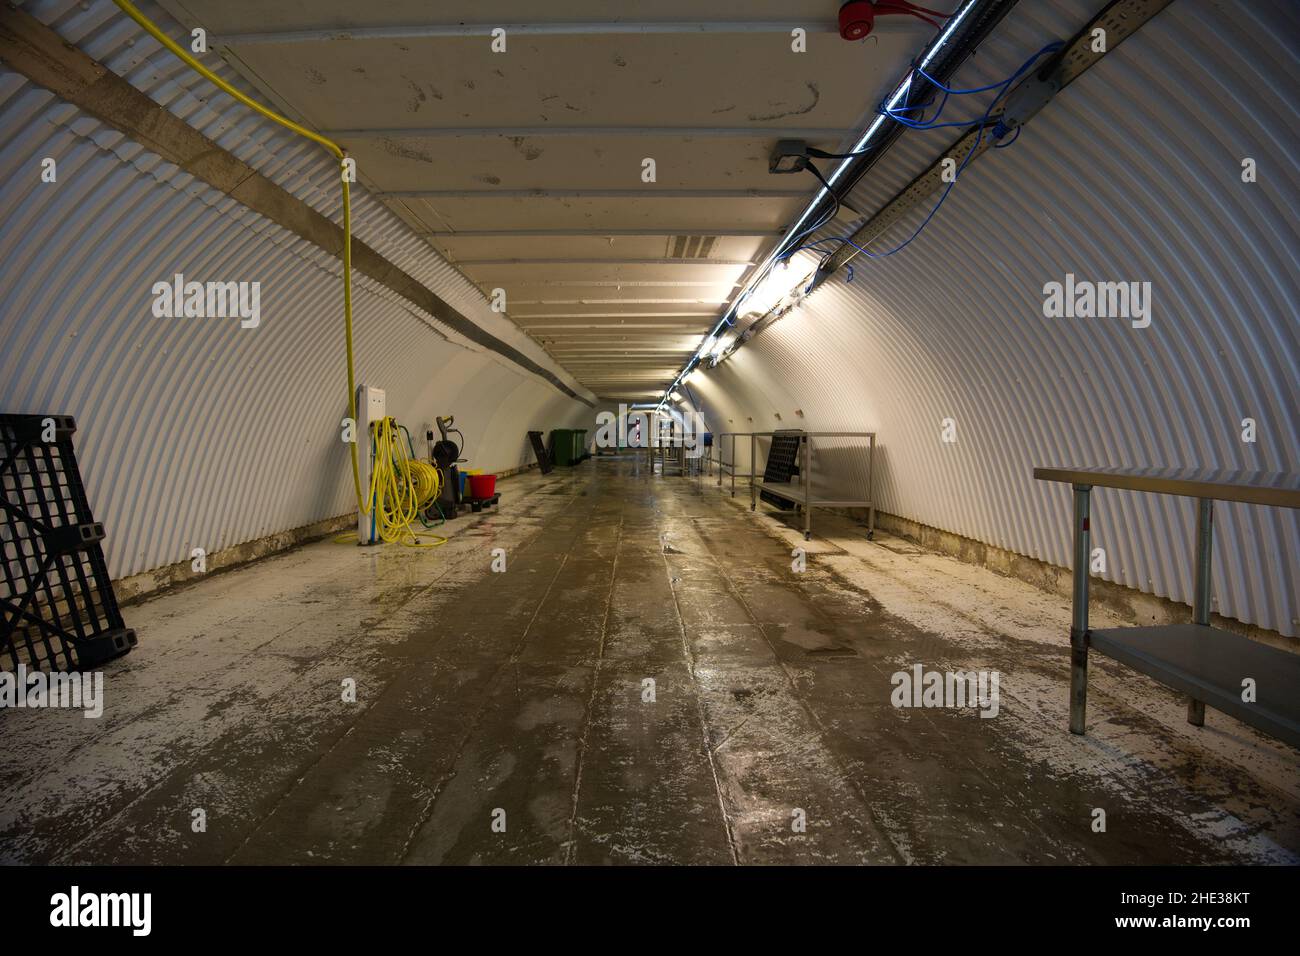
[523, 168]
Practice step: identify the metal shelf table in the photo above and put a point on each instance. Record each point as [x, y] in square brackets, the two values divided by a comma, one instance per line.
[802, 496]
[1206, 663]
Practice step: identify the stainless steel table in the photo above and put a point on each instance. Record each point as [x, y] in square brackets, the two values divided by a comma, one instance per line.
[803, 496]
[1208, 664]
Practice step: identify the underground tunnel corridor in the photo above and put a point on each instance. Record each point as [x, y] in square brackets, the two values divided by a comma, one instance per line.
[524, 693]
[502, 467]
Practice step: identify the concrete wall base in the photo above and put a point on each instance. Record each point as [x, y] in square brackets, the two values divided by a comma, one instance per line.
[137, 587]
[1134, 605]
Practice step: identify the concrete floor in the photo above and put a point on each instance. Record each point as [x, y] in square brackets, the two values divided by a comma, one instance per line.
[523, 692]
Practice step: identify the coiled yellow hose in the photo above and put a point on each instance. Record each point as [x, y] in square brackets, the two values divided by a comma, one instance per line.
[401, 487]
[427, 480]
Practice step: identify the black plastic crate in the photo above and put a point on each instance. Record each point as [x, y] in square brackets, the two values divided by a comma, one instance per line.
[57, 607]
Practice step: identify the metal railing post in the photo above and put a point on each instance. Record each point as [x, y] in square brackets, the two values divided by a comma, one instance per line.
[871, 487]
[733, 466]
[807, 487]
[1201, 600]
[1079, 624]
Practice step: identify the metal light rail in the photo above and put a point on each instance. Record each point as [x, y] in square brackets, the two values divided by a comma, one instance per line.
[803, 496]
[1209, 664]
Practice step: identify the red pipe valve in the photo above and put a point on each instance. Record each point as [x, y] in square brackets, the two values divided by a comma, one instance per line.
[857, 17]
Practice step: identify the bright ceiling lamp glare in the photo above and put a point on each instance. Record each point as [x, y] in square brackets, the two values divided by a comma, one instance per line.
[706, 348]
[767, 294]
[676, 397]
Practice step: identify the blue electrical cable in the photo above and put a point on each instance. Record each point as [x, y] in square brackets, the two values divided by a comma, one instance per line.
[912, 124]
[1001, 87]
[998, 132]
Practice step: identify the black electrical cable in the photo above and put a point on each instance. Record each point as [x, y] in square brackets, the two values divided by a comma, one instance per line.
[822, 154]
[835, 210]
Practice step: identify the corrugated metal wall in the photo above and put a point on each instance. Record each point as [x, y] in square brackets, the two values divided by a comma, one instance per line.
[1131, 173]
[195, 432]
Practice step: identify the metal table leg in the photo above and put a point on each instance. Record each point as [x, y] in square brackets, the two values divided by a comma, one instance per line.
[871, 489]
[753, 467]
[1079, 624]
[733, 466]
[807, 488]
[1201, 602]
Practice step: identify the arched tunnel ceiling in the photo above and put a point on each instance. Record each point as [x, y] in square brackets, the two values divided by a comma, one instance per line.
[524, 168]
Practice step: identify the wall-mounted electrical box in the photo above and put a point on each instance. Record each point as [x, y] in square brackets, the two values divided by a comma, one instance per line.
[371, 407]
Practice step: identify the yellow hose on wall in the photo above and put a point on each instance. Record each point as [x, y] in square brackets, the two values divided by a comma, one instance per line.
[152, 29]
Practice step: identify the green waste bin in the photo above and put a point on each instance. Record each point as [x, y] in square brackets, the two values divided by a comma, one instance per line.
[562, 446]
[568, 445]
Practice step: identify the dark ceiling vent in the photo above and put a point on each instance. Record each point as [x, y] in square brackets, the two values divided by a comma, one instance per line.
[691, 247]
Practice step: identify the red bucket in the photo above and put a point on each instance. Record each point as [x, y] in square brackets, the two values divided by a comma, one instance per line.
[482, 486]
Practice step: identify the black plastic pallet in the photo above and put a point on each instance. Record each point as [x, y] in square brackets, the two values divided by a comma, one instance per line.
[58, 611]
[782, 465]
[539, 449]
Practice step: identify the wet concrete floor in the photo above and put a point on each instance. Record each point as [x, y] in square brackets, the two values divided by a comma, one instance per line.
[648, 681]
